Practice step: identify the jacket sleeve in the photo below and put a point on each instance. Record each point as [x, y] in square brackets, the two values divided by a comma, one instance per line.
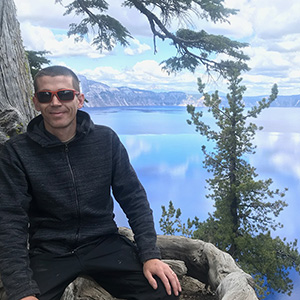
[131, 196]
[14, 205]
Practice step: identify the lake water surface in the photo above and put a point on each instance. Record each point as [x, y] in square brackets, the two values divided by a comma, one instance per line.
[166, 154]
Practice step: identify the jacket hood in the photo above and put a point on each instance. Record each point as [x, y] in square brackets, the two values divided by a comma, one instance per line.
[37, 132]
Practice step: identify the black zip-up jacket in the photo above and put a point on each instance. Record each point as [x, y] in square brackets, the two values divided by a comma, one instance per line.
[63, 191]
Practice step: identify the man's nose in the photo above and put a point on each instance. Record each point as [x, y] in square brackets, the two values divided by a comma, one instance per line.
[55, 101]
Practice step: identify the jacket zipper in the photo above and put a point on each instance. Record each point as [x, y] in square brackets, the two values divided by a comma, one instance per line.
[75, 192]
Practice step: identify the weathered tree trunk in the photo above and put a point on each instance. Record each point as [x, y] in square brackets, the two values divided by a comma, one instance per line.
[205, 273]
[16, 89]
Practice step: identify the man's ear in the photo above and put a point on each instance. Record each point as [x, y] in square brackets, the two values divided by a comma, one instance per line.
[36, 103]
[80, 100]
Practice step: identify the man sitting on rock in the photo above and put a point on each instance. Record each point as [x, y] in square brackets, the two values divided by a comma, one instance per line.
[55, 196]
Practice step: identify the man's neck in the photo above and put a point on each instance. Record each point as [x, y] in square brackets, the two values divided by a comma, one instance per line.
[63, 134]
[69, 139]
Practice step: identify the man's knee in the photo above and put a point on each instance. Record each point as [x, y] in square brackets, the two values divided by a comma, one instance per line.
[162, 293]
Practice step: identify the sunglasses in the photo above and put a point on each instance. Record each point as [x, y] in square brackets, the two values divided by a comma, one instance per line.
[62, 95]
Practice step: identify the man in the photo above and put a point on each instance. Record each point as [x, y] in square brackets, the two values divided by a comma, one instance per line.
[55, 193]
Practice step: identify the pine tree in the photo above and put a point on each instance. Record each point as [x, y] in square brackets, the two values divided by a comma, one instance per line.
[246, 207]
[170, 222]
[36, 60]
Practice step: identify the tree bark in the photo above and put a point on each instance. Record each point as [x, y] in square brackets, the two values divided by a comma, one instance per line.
[16, 87]
[207, 264]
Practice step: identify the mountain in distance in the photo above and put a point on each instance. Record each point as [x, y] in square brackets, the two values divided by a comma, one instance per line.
[101, 95]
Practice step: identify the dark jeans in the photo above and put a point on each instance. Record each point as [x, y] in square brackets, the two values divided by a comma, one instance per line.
[112, 261]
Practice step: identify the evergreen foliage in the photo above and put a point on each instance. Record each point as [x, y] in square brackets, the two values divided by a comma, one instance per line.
[194, 48]
[246, 207]
[170, 222]
[36, 59]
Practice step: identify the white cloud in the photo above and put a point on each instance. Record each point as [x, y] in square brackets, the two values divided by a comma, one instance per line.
[271, 28]
[264, 61]
[275, 19]
[136, 48]
[40, 38]
[147, 74]
[44, 13]
[269, 67]
[174, 171]
[131, 18]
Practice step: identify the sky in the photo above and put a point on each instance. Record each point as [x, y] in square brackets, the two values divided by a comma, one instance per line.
[271, 28]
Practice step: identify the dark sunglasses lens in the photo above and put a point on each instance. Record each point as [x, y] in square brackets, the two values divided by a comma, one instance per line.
[44, 97]
[65, 95]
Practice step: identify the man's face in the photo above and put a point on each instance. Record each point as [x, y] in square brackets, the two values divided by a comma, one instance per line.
[59, 116]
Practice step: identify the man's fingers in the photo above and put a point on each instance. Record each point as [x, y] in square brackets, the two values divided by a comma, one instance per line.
[173, 279]
[166, 282]
[151, 280]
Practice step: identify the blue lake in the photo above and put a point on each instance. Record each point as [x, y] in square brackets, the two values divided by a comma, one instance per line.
[166, 154]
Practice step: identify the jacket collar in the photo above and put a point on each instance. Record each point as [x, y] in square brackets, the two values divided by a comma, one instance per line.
[37, 132]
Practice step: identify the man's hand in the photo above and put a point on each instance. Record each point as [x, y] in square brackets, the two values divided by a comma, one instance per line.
[164, 272]
[30, 298]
